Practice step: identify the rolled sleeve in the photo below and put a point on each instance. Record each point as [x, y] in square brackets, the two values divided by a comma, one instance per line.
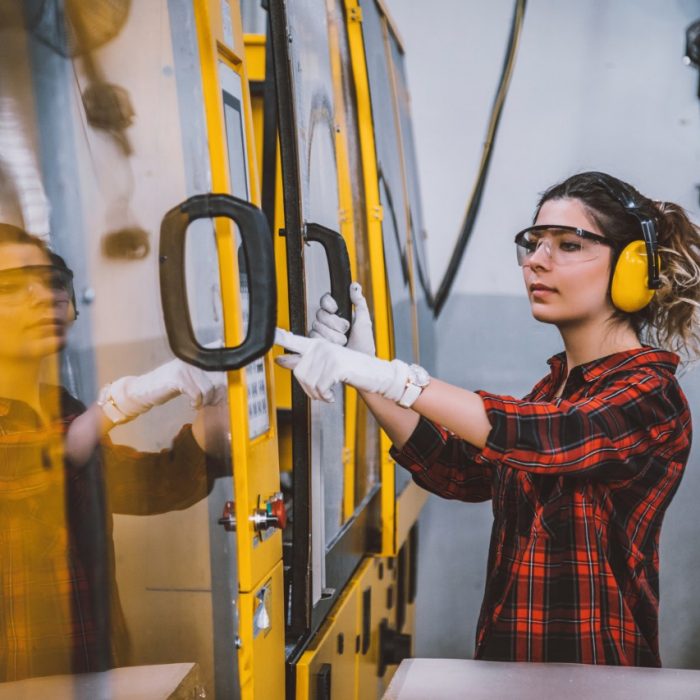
[148, 483]
[444, 464]
[616, 429]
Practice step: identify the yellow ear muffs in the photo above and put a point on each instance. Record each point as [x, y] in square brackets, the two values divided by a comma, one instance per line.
[629, 288]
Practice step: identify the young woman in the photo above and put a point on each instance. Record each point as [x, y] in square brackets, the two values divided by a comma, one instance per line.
[582, 469]
[61, 478]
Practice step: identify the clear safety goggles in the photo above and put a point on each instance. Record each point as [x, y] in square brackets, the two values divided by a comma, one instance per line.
[565, 245]
[18, 284]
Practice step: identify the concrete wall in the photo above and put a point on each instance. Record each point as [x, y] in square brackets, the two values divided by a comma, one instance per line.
[598, 85]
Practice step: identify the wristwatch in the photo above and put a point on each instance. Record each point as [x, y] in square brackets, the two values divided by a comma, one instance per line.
[109, 407]
[417, 380]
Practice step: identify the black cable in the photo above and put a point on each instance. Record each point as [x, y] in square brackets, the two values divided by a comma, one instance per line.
[692, 47]
[475, 199]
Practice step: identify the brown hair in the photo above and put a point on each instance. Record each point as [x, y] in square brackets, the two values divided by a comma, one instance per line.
[14, 234]
[669, 321]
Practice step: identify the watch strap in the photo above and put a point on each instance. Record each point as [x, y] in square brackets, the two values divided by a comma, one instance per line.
[417, 380]
[109, 407]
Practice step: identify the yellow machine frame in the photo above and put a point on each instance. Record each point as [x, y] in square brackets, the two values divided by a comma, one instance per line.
[339, 642]
[256, 462]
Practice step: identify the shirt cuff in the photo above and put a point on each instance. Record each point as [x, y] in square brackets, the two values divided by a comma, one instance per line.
[185, 446]
[426, 444]
[426, 441]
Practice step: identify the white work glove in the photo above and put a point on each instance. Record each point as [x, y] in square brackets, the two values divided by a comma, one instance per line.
[132, 396]
[330, 326]
[319, 364]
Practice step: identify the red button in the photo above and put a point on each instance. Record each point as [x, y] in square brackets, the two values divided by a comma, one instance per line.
[278, 509]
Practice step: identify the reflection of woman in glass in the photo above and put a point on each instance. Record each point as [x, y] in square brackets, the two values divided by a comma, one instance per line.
[582, 469]
[59, 606]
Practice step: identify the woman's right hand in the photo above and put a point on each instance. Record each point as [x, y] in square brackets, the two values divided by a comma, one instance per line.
[332, 327]
[397, 422]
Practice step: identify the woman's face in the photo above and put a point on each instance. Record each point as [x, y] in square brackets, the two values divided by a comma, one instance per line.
[34, 319]
[573, 293]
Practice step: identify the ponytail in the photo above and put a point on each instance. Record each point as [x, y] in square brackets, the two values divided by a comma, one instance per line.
[673, 322]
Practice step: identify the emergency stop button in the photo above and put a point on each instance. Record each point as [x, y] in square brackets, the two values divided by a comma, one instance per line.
[277, 510]
[274, 514]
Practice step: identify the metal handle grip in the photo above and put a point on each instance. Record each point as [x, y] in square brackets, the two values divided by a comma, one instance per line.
[260, 263]
[338, 265]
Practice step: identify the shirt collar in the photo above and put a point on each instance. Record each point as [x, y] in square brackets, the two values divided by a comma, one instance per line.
[619, 361]
[49, 394]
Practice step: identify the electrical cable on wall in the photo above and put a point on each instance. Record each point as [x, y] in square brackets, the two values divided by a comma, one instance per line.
[478, 189]
[692, 48]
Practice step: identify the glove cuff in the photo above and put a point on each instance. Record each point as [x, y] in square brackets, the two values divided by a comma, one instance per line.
[397, 384]
[110, 408]
[418, 379]
[124, 400]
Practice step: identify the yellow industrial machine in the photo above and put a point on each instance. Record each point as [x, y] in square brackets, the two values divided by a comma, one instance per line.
[205, 184]
[340, 188]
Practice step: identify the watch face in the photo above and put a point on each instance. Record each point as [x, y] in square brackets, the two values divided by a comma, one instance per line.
[421, 375]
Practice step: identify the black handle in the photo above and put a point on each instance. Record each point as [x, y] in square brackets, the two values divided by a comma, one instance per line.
[260, 263]
[323, 682]
[338, 265]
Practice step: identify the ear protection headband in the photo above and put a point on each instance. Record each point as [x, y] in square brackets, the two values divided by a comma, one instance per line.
[636, 274]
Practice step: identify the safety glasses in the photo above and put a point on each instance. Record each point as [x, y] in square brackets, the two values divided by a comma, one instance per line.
[17, 284]
[565, 245]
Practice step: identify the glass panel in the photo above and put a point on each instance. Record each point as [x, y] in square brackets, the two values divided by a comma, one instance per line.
[232, 95]
[315, 131]
[391, 178]
[395, 185]
[204, 295]
[421, 274]
[227, 25]
[112, 553]
[367, 436]
[253, 16]
[235, 139]
[396, 265]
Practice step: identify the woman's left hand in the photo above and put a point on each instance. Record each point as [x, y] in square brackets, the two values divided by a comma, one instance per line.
[319, 364]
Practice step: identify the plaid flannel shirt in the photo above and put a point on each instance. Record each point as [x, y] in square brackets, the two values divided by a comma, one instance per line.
[579, 486]
[59, 605]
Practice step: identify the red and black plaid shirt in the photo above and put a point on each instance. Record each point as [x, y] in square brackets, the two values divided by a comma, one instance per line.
[580, 485]
[59, 605]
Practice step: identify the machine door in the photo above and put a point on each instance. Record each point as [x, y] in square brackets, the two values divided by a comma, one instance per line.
[404, 252]
[362, 431]
[126, 556]
[310, 117]
[259, 508]
[392, 184]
